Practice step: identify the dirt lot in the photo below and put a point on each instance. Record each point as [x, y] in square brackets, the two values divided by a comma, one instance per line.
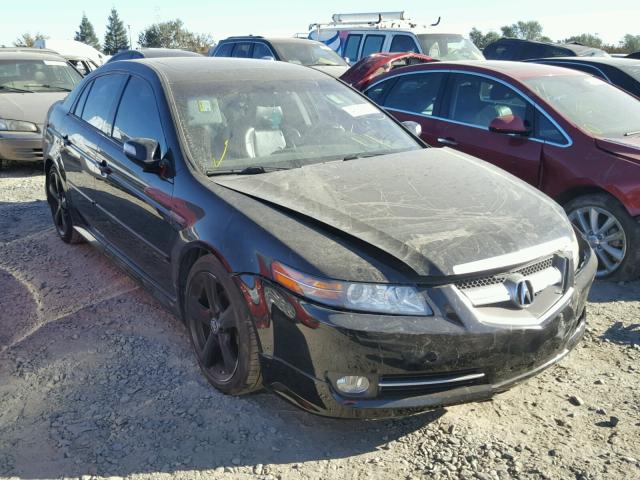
[97, 379]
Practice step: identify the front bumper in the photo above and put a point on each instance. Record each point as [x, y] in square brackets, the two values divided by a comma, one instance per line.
[21, 146]
[412, 363]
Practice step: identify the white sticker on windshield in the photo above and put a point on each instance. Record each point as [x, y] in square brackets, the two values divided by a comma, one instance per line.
[54, 62]
[360, 109]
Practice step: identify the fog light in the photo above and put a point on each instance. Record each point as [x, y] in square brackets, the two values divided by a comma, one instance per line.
[352, 384]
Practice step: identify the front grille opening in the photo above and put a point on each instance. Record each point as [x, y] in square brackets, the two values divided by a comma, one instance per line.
[525, 271]
[411, 385]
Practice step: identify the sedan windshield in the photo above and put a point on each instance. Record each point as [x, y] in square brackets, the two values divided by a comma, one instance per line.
[591, 104]
[448, 46]
[308, 54]
[37, 76]
[231, 126]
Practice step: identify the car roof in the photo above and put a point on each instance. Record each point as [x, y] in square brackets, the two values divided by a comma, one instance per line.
[574, 47]
[166, 52]
[29, 55]
[612, 61]
[186, 69]
[273, 40]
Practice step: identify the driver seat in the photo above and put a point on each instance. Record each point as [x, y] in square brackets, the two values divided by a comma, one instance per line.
[266, 137]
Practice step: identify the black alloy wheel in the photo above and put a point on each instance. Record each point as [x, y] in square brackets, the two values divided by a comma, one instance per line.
[59, 205]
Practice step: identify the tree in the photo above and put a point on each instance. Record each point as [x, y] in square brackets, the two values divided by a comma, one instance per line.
[172, 34]
[86, 33]
[480, 39]
[115, 39]
[630, 43]
[27, 40]
[531, 30]
[586, 39]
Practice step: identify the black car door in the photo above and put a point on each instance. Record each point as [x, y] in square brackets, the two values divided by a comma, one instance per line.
[83, 130]
[134, 204]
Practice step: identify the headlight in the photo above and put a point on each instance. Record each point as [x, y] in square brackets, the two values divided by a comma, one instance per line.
[367, 297]
[7, 125]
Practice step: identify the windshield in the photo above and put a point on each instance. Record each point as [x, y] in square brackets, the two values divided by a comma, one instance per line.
[591, 104]
[232, 125]
[448, 46]
[37, 75]
[308, 54]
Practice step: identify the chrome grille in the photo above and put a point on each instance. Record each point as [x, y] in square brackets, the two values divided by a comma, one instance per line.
[500, 277]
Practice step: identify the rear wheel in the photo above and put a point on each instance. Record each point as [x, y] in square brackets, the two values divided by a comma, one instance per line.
[59, 205]
[221, 331]
[612, 233]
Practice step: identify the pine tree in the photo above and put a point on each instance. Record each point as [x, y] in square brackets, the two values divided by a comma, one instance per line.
[116, 37]
[86, 33]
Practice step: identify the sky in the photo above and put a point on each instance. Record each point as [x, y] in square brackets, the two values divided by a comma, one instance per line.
[560, 19]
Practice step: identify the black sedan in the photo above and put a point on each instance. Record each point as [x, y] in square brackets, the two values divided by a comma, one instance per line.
[310, 242]
[621, 72]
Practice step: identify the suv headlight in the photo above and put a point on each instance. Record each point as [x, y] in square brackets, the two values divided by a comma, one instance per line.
[365, 297]
[7, 125]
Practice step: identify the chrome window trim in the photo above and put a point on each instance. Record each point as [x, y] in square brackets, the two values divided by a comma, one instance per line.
[490, 77]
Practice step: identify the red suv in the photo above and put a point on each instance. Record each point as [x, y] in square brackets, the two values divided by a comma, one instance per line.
[571, 135]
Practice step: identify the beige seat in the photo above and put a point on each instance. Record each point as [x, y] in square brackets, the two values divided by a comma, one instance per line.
[265, 137]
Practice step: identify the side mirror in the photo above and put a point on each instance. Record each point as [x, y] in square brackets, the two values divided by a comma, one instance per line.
[145, 151]
[509, 124]
[414, 127]
[267, 57]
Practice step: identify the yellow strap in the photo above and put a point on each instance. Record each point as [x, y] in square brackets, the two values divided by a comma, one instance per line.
[217, 163]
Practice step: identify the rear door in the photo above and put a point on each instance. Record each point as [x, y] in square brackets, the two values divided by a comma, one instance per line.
[472, 102]
[415, 97]
[135, 204]
[373, 43]
[352, 47]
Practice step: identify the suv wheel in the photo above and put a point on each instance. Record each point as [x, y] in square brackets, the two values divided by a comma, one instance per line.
[59, 205]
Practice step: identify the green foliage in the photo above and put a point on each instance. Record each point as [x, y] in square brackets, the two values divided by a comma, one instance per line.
[630, 43]
[115, 39]
[586, 39]
[530, 30]
[480, 39]
[27, 40]
[172, 34]
[86, 33]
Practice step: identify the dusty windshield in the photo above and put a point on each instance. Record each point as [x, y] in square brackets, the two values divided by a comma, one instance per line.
[308, 54]
[233, 125]
[37, 76]
[449, 47]
[591, 104]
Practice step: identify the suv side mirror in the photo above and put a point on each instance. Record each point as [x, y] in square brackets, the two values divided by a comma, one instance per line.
[414, 127]
[145, 151]
[509, 124]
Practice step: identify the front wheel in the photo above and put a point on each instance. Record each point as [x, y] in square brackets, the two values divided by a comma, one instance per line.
[222, 334]
[59, 205]
[612, 233]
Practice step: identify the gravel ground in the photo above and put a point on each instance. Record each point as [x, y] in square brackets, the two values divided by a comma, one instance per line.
[98, 380]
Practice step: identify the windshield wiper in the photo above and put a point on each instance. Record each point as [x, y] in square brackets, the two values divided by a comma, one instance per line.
[631, 134]
[14, 89]
[355, 156]
[52, 87]
[252, 170]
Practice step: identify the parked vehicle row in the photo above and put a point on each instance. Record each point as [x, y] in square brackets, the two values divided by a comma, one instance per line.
[518, 49]
[573, 136]
[311, 243]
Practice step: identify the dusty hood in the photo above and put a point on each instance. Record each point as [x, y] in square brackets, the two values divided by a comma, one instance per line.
[31, 107]
[628, 147]
[439, 211]
[333, 70]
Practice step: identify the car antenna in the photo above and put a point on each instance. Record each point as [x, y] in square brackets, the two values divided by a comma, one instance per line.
[437, 22]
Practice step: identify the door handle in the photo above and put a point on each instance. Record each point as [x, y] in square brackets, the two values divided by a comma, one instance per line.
[65, 140]
[447, 141]
[104, 168]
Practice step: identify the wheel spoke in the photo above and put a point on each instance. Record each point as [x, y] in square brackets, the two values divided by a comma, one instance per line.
[228, 358]
[58, 214]
[52, 189]
[227, 318]
[212, 294]
[582, 222]
[199, 311]
[593, 219]
[610, 222]
[63, 219]
[605, 260]
[613, 237]
[616, 253]
[209, 350]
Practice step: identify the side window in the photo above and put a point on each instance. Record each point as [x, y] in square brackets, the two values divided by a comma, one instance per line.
[351, 47]
[500, 51]
[415, 93]
[403, 43]
[225, 50]
[377, 92]
[478, 100]
[137, 115]
[372, 44]
[242, 50]
[98, 109]
[547, 131]
[260, 50]
[81, 101]
[585, 68]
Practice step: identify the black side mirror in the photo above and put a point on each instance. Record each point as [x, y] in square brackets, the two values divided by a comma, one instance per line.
[145, 151]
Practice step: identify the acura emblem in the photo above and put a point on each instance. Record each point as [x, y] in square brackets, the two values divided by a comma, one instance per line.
[521, 291]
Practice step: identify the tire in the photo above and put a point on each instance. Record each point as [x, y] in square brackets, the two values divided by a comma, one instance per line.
[221, 331]
[59, 205]
[619, 256]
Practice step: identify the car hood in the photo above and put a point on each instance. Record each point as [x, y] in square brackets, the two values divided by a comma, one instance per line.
[30, 107]
[628, 147]
[438, 211]
[333, 70]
